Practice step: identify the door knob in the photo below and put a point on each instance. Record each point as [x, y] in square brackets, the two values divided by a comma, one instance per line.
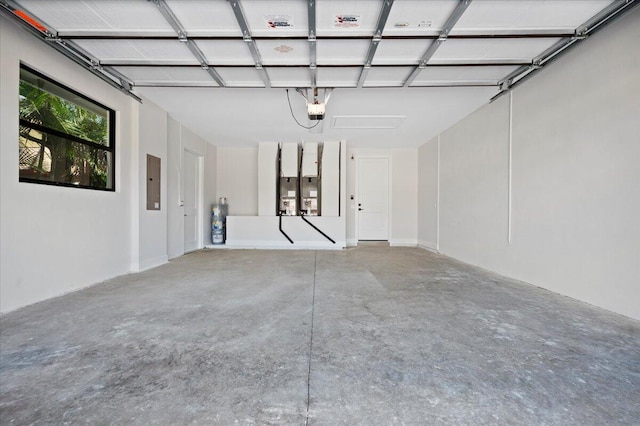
[359, 209]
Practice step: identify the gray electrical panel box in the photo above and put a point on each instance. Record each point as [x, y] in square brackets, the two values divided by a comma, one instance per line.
[153, 182]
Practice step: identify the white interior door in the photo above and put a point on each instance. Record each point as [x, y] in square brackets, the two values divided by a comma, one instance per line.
[191, 191]
[373, 199]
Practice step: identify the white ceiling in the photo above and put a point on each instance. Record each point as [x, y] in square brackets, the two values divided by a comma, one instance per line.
[482, 42]
[243, 117]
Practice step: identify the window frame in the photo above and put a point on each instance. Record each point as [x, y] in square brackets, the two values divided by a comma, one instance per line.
[111, 141]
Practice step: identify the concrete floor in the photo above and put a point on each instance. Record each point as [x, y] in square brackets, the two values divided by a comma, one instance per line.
[371, 335]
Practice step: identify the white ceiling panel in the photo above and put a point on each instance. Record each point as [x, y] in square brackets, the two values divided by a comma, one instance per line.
[415, 17]
[240, 76]
[156, 50]
[106, 15]
[342, 52]
[175, 75]
[226, 52]
[284, 52]
[367, 121]
[475, 73]
[289, 77]
[392, 51]
[283, 18]
[528, 14]
[387, 76]
[520, 48]
[338, 77]
[338, 17]
[204, 18]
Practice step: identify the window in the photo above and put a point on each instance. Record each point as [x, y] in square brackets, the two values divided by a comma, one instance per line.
[65, 138]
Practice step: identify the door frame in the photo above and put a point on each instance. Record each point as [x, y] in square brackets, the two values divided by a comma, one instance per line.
[389, 192]
[200, 200]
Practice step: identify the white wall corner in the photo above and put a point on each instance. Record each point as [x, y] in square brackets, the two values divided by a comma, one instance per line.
[134, 143]
[153, 263]
[429, 246]
[403, 243]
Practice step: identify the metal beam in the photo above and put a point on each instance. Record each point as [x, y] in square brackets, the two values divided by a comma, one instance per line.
[537, 63]
[610, 12]
[375, 41]
[151, 63]
[461, 83]
[313, 55]
[397, 86]
[66, 47]
[94, 63]
[523, 73]
[251, 43]
[462, 35]
[195, 50]
[171, 18]
[178, 84]
[448, 26]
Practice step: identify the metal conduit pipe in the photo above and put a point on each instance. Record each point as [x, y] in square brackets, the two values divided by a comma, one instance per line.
[282, 231]
[317, 229]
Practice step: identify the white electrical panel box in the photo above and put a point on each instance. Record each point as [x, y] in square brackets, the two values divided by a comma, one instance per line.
[267, 178]
[331, 179]
[289, 159]
[310, 159]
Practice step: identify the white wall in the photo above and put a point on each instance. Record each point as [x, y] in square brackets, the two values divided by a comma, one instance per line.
[179, 139]
[575, 179]
[474, 184]
[238, 179]
[175, 212]
[404, 194]
[152, 224]
[210, 188]
[428, 190]
[56, 239]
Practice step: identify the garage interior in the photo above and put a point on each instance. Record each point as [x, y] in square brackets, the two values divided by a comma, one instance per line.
[468, 254]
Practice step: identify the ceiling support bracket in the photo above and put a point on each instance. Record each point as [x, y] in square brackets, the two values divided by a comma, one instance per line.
[251, 43]
[442, 37]
[313, 55]
[375, 41]
[171, 18]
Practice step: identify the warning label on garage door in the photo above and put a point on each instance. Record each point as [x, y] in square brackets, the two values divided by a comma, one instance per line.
[278, 21]
[347, 21]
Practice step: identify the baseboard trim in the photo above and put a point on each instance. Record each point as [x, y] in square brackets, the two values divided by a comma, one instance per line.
[278, 245]
[403, 243]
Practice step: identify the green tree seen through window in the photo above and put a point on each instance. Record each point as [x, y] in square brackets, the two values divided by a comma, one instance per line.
[61, 141]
